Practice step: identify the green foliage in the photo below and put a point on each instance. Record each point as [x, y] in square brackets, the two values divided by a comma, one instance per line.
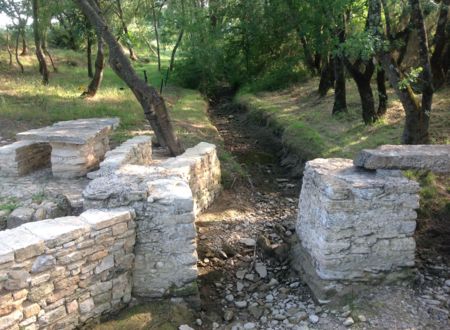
[9, 204]
[432, 199]
[412, 77]
[361, 45]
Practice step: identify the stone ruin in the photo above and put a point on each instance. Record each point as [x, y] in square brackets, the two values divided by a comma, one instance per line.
[136, 235]
[357, 219]
[135, 238]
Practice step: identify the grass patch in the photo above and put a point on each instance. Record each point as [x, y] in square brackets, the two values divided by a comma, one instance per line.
[25, 103]
[161, 315]
[304, 120]
[9, 204]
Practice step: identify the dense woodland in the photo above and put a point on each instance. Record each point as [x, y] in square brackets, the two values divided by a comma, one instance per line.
[227, 45]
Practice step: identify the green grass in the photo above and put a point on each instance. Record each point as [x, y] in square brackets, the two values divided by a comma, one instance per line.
[25, 103]
[8, 204]
[307, 128]
[161, 315]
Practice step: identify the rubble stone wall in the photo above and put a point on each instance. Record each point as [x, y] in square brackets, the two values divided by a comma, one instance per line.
[65, 272]
[355, 226]
[166, 199]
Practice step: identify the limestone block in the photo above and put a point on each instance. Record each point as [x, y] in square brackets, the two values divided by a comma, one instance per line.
[99, 219]
[70, 132]
[435, 158]
[52, 316]
[23, 157]
[20, 216]
[58, 231]
[24, 243]
[9, 320]
[137, 150]
[353, 224]
[42, 263]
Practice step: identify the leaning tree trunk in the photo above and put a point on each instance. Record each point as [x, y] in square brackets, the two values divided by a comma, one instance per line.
[98, 74]
[47, 53]
[326, 77]
[17, 51]
[37, 40]
[382, 94]
[439, 46]
[152, 103]
[24, 44]
[177, 44]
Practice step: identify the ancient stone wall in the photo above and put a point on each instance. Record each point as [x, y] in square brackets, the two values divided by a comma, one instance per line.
[65, 272]
[137, 150]
[166, 199]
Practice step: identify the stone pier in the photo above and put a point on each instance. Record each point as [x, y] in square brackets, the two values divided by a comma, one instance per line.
[357, 219]
[355, 226]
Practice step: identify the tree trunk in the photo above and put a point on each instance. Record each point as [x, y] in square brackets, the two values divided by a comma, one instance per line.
[152, 103]
[416, 123]
[47, 53]
[177, 44]
[8, 48]
[155, 26]
[326, 78]
[24, 44]
[362, 80]
[133, 56]
[99, 67]
[89, 55]
[37, 40]
[17, 51]
[439, 46]
[382, 94]
[417, 113]
[340, 95]
[367, 100]
[309, 60]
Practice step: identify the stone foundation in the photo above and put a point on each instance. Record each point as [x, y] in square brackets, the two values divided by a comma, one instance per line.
[355, 227]
[66, 272]
[23, 157]
[166, 199]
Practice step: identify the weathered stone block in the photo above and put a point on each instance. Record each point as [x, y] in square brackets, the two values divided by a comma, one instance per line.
[9, 320]
[354, 225]
[23, 157]
[435, 158]
[58, 231]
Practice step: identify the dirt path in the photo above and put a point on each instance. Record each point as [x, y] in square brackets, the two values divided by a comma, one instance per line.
[243, 246]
